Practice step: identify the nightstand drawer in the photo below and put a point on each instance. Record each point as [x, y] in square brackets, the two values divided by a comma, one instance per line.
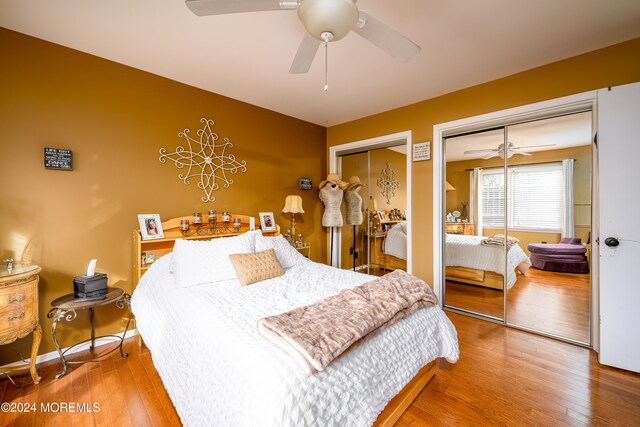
[455, 228]
[17, 320]
[18, 306]
[11, 296]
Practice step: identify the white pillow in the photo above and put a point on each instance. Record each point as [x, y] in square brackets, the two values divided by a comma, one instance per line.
[287, 255]
[203, 261]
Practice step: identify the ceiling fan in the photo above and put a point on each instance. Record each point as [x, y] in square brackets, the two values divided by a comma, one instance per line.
[511, 150]
[325, 21]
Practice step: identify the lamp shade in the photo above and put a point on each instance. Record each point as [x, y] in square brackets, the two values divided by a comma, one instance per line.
[293, 204]
[373, 204]
[450, 187]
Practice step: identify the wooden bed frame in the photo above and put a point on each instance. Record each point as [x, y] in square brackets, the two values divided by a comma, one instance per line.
[396, 406]
[471, 276]
[171, 229]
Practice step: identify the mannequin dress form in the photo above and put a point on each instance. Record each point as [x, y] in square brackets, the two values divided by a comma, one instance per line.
[331, 197]
[353, 201]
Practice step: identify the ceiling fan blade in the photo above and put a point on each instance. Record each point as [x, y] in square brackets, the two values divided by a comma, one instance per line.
[489, 156]
[222, 7]
[532, 146]
[523, 153]
[306, 52]
[486, 150]
[386, 38]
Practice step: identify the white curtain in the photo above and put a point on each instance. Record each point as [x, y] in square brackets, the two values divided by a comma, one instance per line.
[475, 205]
[568, 222]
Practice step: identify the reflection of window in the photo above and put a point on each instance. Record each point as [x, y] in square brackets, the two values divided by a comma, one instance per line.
[535, 198]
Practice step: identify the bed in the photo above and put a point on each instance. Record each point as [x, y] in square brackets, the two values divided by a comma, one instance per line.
[394, 247]
[468, 261]
[218, 369]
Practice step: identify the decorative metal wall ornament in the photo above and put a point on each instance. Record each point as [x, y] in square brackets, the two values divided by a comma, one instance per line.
[387, 183]
[205, 159]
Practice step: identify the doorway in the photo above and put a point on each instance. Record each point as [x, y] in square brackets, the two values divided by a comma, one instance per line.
[382, 241]
[515, 174]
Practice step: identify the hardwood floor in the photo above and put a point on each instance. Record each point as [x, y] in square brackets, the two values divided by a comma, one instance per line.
[509, 377]
[129, 393]
[556, 303]
[504, 377]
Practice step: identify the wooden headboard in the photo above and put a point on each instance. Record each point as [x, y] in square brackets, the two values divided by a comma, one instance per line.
[171, 229]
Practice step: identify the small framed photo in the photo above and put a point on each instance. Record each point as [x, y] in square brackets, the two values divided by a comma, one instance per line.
[150, 226]
[267, 221]
[149, 257]
[380, 215]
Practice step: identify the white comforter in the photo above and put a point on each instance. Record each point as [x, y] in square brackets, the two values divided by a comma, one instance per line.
[395, 243]
[219, 370]
[466, 251]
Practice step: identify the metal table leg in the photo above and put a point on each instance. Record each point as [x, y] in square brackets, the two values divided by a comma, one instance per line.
[93, 330]
[58, 314]
[125, 300]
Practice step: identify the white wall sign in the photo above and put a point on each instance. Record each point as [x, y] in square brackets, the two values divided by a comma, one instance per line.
[422, 151]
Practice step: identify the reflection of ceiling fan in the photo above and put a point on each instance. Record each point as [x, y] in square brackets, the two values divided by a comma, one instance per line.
[511, 150]
[324, 20]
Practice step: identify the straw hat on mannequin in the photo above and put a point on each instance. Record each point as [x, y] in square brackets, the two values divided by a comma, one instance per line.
[333, 178]
[354, 182]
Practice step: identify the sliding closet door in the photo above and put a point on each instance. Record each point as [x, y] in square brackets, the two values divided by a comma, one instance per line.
[549, 225]
[354, 229]
[474, 211]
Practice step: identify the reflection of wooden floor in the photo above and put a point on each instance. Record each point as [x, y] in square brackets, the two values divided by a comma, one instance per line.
[556, 303]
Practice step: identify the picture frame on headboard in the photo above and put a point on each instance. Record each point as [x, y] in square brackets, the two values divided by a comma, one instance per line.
[150, 226]
[267, 221]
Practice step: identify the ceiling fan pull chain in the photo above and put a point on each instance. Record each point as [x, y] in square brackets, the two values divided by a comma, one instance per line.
[326, 37]
[326, 66]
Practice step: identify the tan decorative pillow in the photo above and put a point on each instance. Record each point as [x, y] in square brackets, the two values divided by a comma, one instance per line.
[256, 267]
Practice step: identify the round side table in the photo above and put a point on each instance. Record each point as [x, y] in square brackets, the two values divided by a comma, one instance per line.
[65, 308]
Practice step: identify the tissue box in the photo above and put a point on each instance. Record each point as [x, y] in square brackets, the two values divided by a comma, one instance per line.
[90, 286]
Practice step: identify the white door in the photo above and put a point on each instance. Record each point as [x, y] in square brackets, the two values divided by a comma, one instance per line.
[619, 174]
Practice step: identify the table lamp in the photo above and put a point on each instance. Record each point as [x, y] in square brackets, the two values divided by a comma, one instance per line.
[293, 205]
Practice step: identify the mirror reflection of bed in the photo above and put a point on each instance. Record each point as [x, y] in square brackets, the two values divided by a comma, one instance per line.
[379, 244]
[548, 200]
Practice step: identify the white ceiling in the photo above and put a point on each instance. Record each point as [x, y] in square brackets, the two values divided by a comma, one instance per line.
[563, 132]
[247, 56]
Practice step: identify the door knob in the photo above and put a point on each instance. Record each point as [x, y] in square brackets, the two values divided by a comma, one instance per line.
[612, 242]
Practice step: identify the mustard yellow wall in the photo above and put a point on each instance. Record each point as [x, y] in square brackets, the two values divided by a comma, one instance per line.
[458, 176]
[398, 162]
[612, 66]
[115, 119]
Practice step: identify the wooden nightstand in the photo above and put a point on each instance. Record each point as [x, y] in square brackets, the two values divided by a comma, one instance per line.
[460, 228]
[305, 250]
[19, 310]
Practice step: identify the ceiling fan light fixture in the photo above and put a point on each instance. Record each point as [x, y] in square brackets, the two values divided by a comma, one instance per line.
[337, 17]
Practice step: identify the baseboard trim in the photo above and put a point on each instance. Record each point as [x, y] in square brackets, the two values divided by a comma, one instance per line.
[54, 354]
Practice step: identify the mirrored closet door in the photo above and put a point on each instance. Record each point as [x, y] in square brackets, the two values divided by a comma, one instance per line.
[518, 225]
[374, 235]
[549, 219]
[473, 279]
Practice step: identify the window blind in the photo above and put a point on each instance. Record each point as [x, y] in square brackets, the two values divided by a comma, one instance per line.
[535, 197]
